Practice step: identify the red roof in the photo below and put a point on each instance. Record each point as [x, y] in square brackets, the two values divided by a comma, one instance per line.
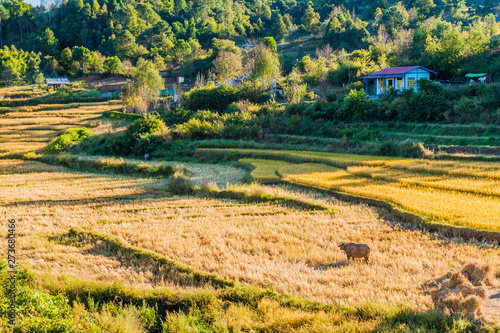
[397, 71]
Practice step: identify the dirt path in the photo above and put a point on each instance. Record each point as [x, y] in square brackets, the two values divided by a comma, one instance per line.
[491, 308]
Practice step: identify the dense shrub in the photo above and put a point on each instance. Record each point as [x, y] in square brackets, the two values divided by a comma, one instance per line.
[68, 138]
[142, 136]
[405, 148]
[180, 185]
[355, 104]
[212, 98]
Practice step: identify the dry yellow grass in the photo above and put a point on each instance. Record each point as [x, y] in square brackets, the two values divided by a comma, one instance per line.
[32, 128]
[447, 197]
[293, 251]
[454, 207]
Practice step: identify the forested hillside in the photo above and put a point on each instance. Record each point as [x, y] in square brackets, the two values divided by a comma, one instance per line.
[356, 37]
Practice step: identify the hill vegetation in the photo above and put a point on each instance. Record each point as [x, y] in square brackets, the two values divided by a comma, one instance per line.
[76, 37]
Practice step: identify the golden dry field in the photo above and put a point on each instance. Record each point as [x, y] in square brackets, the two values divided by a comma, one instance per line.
[292, 250]
[25, 129]
[456, 193]
[268, 243]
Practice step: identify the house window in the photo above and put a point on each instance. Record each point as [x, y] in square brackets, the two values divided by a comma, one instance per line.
[399, 83]
[389, 83]
[411, 83]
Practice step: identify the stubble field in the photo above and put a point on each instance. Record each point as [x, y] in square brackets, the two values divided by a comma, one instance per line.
[264, 243]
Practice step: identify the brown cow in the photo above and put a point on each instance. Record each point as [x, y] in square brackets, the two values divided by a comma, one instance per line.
[354, 250]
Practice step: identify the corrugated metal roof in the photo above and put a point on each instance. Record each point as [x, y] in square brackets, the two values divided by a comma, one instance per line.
[57, 80]
[476, 75]
[395, 71]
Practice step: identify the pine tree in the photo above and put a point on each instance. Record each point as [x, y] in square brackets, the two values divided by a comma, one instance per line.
[4, 14]
[279, 27]
[311, 19]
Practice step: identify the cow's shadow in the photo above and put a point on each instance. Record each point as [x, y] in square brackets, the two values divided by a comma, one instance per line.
[336, 264]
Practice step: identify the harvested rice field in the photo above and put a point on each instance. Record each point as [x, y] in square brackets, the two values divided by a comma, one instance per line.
[242, 258]
[25, 129]
[459, 194]
[288, 248]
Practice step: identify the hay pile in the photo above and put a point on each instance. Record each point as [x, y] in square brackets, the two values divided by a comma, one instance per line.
[461, 293]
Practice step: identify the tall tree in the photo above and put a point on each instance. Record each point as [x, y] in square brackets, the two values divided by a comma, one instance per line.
[125, 45]
[262, 65]
[311, 19]
[18, 8]
[48, 5]
[279, 27]
[227, 66]
[143, 93]
[4, 14]
[47, 42]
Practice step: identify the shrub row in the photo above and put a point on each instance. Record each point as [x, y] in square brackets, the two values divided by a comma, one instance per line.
[114, 165]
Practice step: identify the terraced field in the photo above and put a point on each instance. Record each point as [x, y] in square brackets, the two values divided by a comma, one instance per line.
[291, 249]
[457, 193]
[25, 129]
[119, 253]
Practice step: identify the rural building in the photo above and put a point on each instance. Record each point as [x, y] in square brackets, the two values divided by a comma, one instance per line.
[473, 78]
[57, 82]
[398, 78]
[111, 88]
[247, 47]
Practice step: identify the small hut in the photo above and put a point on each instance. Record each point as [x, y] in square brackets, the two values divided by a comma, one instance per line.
[472, 77]
[57, 82]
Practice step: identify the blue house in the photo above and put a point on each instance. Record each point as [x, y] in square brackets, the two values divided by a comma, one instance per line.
[399, 78]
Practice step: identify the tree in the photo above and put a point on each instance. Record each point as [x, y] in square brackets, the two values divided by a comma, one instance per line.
[32, 66]
[227, 66]
[4, 14]
[47, 42]
[125, 45]
[219, 45]
[113, 65]
[311, 19]
[142, 94]
[12, 58]
[262, 65]
[40, 80]
[48, 4]
[293, 90]
[18, 8]
[9, 75]
[182, 50]
[191, 29]
[83, 56]
[270, 43]
[279, 27]
[66, 59]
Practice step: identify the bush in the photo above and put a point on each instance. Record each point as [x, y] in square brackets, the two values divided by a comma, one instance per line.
[199, 129]
[142, 136]
[387, 148]
[69, 137]
[355, 104]
[408, 148]
[211, 98]
[180, 185]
